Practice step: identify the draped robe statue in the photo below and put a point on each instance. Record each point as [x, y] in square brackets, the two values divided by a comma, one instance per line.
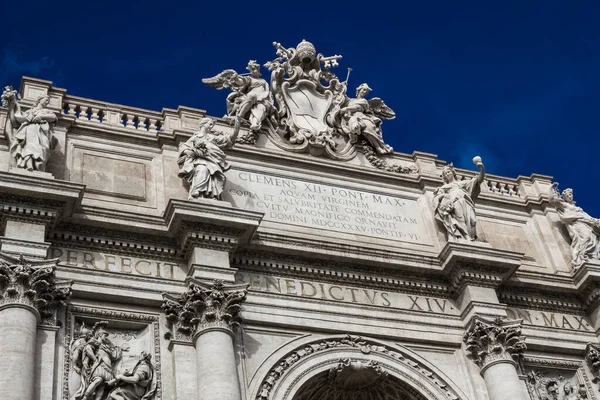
[29, 132]
[583, 229]
[454, 203]
[202, 160]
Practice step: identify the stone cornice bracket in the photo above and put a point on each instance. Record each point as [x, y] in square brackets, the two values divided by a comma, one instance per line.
[492, 341]
[203, 306]
[35, 201]
[210, 224]
[477, 264]
[587, 283]
[32, 284]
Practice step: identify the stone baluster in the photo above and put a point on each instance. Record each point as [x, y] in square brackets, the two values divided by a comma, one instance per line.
[130, 120]
[28, 294]
[95, 116]
[152, 125]
[83, 112]
[73, 109]
[497, 346]
[206, 314]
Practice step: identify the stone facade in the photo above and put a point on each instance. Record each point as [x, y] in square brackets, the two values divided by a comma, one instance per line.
[312, 273]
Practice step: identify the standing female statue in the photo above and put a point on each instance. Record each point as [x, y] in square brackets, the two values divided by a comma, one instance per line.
[29, 132]
[454, 202]
[583, 229]
[202, 160]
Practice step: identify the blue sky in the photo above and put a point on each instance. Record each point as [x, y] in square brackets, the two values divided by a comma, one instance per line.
[517, 82]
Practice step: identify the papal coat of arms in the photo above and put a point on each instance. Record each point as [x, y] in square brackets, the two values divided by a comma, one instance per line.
[305, 108]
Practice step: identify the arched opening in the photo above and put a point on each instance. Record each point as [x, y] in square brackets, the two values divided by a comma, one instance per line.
[356, 380]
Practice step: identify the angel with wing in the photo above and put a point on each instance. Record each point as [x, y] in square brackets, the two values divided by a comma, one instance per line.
[362, 117]
[250, 99]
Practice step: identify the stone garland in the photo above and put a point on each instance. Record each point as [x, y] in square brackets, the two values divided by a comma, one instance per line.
[382, 164]
[348, 342]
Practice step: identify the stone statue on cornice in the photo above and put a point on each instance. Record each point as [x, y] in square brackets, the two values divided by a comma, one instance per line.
[202, 159]
[30, 133]
[362, 117]
[250, 98]
[454, 203]
[583, 229]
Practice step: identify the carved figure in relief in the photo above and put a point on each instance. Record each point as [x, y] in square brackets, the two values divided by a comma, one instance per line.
[83, 357]
[137, 384]
[583, 229]
[454, 202]
[30, 132]
[250, 99]
[362, 117]
[202, 159]
[101, 371]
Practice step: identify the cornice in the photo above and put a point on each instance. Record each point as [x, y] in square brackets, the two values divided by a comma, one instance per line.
[336, 272]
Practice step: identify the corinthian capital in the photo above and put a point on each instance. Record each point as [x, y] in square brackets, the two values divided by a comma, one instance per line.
[491, 341]
[204, 306]
[31, 283]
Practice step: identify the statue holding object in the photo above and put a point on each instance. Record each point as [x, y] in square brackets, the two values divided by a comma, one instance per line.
[202, 159]
[454, 205]
[30, 133]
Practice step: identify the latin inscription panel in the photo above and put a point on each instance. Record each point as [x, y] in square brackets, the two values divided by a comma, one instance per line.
[326, 207]
[346, 294]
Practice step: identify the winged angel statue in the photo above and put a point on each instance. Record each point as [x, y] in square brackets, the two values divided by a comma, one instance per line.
[250, 98]
[305, 108]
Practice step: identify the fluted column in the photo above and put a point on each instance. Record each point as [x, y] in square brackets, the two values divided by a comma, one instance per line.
[206, 313]
[497, 346]
[28, 294]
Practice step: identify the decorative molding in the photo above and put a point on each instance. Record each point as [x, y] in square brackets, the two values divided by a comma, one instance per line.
[100, 314]
[203, 306]
[531, 299]
[32, 283]
[490, 341]
[348, 342]
[337, 272]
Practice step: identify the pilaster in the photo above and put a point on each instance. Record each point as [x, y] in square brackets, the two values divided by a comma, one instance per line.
[497, 347]
[29, 294]
[206, 315]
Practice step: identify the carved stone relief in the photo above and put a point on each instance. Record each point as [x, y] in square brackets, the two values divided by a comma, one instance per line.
[113, 360]
[547, 384]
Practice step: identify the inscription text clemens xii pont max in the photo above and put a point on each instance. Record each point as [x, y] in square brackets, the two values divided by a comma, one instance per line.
[327, 207]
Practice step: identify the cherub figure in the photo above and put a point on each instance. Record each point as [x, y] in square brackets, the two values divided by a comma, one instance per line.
[29, 132]
[250, 99]
[362, 118]
[583, 229]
